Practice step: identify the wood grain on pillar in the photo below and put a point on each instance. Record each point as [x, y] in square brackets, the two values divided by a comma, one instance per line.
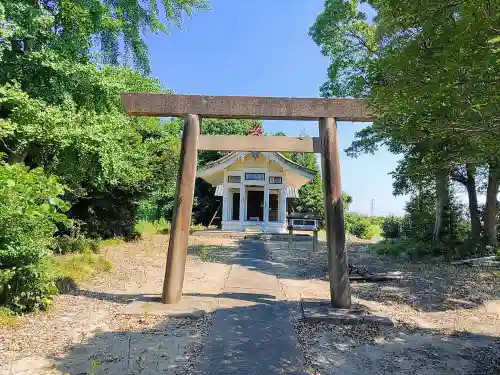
[181, 218]
[334, 214]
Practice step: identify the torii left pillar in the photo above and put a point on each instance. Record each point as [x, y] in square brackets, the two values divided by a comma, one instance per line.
[181, 219]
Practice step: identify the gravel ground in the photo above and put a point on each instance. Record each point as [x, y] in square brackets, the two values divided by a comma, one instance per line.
[447, 317]
[85, 328]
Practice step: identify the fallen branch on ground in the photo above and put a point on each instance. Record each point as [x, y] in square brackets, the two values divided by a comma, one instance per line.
[386, 276]
[362, 274]
[490, 263]
[487, 259]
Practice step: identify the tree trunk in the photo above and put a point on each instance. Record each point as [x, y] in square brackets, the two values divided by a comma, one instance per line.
[475, 220]
[490, 209]
[442, 203]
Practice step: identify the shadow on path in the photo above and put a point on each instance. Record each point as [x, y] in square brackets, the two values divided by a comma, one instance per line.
[426, 287]
[348, 350]
[254, 332]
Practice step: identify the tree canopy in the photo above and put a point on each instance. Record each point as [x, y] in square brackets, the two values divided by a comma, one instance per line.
[71, 158]
[430, 72]
[78, 29]
[60, 81]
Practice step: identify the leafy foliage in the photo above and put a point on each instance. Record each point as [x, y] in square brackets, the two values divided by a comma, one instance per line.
[361, 226]
[74, 28]
[412, 235]
[349, 41]
[76, 244]
[60, 114]
[311, 199]
[392, 227]
[428, 69]
[108, 159]
[61, 111]
[31, 207]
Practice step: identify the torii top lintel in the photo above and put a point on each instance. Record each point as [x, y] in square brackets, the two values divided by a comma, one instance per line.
[246, 107]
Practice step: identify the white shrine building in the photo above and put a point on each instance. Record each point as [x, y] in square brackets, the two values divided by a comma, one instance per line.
[254, 187]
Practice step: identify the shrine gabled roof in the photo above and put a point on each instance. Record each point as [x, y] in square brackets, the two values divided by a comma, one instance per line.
[284, 159]
[232, 157]
[221, 160]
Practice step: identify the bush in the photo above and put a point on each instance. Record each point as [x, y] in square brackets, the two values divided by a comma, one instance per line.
[106, 214]
[78, 244]
[360, 226]
[392, 227]
[409, 248]
[29, 212]
[30, 288]
[391, 247]
[374, 231]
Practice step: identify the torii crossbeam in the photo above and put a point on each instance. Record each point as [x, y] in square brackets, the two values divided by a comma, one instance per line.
[194, 107]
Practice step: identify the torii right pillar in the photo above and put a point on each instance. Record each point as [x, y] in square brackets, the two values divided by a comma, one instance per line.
[338, 269]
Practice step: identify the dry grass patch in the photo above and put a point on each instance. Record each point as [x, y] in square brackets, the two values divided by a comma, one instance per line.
[7, 318]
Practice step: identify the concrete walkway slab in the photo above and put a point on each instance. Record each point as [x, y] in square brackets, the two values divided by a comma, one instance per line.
[189, 307]
[252, 332]
[245, 279]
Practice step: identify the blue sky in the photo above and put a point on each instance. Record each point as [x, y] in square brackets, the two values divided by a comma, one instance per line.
[262, 48]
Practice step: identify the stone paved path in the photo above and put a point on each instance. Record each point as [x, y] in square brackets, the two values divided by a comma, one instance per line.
[252, 332]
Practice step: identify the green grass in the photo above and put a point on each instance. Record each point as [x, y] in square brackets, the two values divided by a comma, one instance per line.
[77, 268]
[196, 228]
[8, 318]
[147, 229]
[76, 244]
[112, 241]
[375, 231]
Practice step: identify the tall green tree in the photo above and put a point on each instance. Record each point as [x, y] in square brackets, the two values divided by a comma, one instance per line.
[60, 107]
[74, 28]
[428, 69]
[346, 37]
[60, 115]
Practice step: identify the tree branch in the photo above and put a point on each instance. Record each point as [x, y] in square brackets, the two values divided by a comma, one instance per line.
[362, 42]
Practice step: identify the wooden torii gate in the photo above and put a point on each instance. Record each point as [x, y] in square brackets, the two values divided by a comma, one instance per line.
[194, 107]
